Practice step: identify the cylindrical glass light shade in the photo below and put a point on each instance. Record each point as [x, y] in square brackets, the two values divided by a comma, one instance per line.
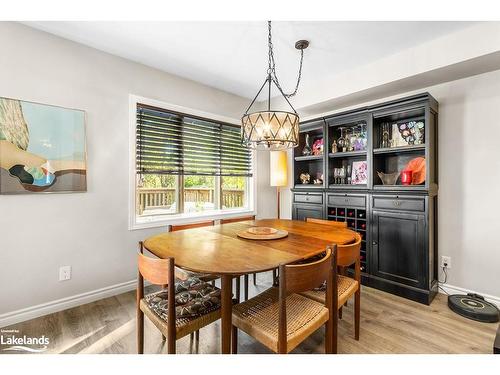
[278, 168]
[270, 130]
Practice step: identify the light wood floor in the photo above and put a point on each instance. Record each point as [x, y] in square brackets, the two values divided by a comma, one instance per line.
[389, 324]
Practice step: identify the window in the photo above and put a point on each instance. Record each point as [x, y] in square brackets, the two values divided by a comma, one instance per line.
[188, 166]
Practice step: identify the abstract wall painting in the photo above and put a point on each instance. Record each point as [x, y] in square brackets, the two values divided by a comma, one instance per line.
[42, 148]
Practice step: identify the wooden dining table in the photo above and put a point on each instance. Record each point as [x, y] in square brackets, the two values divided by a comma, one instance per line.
[218, 250]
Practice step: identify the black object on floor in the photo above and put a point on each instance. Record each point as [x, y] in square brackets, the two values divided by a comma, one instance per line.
[473, 306]
[496, 345]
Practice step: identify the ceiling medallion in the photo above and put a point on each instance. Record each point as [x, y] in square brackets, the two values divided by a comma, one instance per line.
[271, 129]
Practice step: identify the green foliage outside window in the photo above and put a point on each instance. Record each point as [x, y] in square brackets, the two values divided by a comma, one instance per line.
[168, 181]
[157, 181]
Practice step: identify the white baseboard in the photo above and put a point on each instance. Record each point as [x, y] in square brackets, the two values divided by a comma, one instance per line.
[28, 313]
[451, 289]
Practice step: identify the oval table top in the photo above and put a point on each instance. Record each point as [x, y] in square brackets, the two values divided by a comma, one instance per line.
[218, 250]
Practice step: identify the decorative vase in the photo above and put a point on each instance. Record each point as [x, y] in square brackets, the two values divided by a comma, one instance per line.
[406, 177]
[307, 150]
[334, 147]
[388, 178]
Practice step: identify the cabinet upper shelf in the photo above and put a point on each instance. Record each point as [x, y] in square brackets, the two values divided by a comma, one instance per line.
[389, 150]
[347, 154]
[309, 157]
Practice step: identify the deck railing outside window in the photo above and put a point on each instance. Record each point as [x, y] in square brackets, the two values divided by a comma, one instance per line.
[164, 198]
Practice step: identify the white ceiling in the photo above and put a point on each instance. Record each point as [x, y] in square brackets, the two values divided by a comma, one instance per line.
[232, 56]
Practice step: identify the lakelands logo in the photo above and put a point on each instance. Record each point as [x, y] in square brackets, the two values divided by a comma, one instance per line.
[23, 343]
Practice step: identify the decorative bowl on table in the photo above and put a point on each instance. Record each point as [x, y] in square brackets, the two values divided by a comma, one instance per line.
[262, 233]
[262, 230]
[388, 178]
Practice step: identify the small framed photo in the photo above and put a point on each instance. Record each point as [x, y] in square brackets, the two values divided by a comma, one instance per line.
[359, 173]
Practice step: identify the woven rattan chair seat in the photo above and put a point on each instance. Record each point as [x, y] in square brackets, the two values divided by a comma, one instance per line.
[259, 317]
[346, 288]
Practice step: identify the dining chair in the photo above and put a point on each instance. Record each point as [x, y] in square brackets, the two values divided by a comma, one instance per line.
[193, 306]
[347, 287]
[281, 318]
[201, 276]
[237, 219]
[245, 277]
[335, 224]
[208, 223]
[338, 225]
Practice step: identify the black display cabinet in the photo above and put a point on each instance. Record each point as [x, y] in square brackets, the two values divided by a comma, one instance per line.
[363, 185]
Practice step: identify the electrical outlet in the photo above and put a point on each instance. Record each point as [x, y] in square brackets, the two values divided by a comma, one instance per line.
[64, 273]
[445, 262]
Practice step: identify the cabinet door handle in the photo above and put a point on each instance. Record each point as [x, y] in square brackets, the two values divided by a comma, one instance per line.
[374, 243]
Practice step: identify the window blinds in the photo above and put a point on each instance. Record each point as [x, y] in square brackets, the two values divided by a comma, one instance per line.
[173, 143]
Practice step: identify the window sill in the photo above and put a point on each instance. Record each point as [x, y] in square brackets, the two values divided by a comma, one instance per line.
[162, 221]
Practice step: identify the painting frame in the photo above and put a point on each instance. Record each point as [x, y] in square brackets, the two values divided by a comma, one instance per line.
[61, 175]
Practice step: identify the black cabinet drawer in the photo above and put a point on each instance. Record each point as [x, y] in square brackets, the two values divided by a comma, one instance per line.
[346, 200]
[399, 203]
[312, 198]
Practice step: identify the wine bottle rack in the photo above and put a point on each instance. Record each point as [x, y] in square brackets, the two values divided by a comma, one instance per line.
[356, 221]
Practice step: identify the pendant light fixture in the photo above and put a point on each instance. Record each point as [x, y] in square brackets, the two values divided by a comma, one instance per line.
[271, 129]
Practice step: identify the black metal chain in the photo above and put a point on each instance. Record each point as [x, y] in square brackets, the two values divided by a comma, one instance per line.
[272, 65]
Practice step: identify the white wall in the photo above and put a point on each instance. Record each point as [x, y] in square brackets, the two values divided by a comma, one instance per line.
[469, 180]
[39, 233]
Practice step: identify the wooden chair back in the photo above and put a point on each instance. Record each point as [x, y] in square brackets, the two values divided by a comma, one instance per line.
[236, 219]
[306, 276]
[155, 270]
[331, 223]
[349, 254]
[159, 272]
[296, 278]
[208, 223]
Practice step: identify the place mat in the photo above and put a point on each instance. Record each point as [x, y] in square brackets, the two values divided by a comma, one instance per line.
[262, 233]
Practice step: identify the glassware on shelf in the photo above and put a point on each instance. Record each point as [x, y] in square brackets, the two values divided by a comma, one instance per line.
[342, 175]
[348, 144]
[338, 175]
[364, 137]
[341, 142]
[359, 141]
[385, 136]
[349, 172]
[353, 139]
[307, 150]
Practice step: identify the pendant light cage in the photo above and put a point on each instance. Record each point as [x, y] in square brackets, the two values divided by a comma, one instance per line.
[272, 129]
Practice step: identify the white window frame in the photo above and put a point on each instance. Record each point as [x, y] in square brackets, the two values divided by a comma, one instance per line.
[181, 218]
